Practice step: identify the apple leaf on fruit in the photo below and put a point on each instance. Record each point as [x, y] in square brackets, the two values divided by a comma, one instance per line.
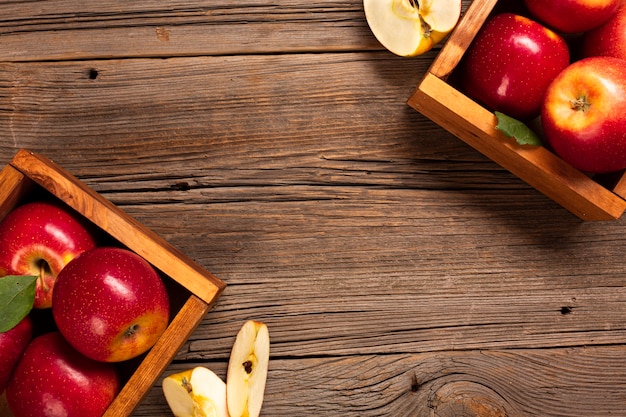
[17, 296]
[513, 128]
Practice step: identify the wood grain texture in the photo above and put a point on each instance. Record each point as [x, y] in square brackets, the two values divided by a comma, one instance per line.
[493, 383]
[71, 30]
[400, 272]
[67, 30]
[13, 187]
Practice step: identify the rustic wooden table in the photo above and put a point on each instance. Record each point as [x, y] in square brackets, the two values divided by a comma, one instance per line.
[400, 272]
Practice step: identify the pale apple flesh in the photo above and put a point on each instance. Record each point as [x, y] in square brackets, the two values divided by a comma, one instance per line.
[441, 16]
[247, 370]
[411, 27]
[197, 392]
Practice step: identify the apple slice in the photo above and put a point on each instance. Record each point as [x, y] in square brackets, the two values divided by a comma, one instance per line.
[411, 27]
[197, 392]
[247, 370]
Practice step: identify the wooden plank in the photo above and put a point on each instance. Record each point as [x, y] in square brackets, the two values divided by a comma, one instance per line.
[13, 187]
[460, 39]
[586, 381]
[71, 30]
[62, 30]
[382, 271]
[199, 105]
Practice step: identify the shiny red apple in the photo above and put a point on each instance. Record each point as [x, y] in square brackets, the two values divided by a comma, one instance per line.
[12, 345]
[583, 114]
[608, 39]
[572, 16]
[110, 304]
[40, 238]
[510, 63]
[53, 380]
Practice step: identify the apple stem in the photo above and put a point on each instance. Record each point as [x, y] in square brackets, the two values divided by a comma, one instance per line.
[580, 104]
[131, 330]
[43, 269]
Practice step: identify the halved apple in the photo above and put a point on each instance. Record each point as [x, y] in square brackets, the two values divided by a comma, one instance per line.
[411, 27]
[247, 370]
[197, 392]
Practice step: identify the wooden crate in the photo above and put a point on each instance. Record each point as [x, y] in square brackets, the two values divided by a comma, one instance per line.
[437, 98]
[192, 289]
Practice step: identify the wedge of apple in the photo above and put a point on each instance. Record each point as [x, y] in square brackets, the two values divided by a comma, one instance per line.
[411, 27]
[197, 392]
[247, 370]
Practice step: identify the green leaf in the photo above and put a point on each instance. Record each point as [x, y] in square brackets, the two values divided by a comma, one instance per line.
[513, 128]
[17, 296]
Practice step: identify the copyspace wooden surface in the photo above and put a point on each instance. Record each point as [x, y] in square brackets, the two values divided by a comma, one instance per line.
[400, 272]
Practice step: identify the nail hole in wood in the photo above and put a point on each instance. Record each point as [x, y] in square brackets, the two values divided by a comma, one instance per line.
[181, 186]
[566, 310]
[93, 74]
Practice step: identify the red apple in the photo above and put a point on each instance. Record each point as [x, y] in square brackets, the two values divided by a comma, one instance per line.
[572, 16]
[39, 239]
[511, 62]
[608, 39]
[110, 304]
[583, 114]
[12, 345]
[53, 380]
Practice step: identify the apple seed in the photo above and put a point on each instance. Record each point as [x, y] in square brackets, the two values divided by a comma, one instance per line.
[425, 26]
[247, 366]
[186, 384]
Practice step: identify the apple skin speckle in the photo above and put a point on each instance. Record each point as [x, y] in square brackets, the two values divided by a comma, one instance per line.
[110, 304]
[12, 344]
[52, 379]
[39, 238]
[510, 64]
[583, 115]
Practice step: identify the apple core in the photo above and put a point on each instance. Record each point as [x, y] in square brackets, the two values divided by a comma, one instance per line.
[411, 27]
